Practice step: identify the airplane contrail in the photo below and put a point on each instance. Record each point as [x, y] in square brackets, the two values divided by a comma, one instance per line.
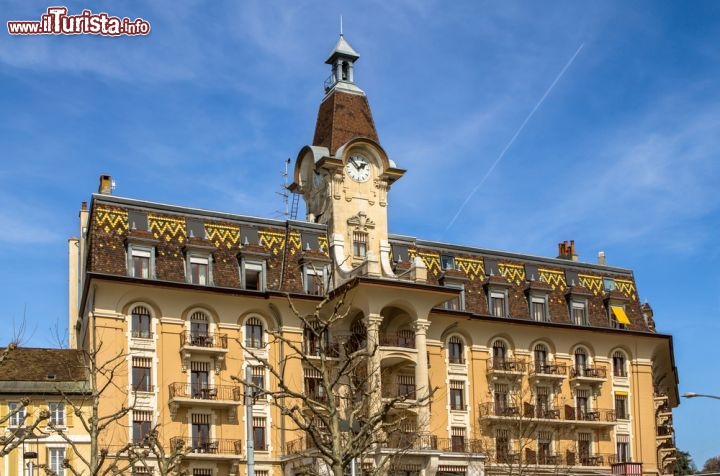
[512, 140]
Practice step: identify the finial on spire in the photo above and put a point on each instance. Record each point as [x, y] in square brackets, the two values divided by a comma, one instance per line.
[341, 29]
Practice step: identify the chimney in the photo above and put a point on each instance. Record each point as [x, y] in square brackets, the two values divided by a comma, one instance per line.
[105, 185]
[566, 250]
[601, 258]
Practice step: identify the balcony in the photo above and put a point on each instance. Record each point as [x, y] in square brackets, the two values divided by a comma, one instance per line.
[402, 391]
[589, 374]
[208, 342]
[208, 449]
[457, 445]
[545, 459]
[410, 441]
[548, 372]
[541, 413]
[402, 339]
[595, 417]
[211, 396]
[502, 412]
[512, 368]
[664, 432]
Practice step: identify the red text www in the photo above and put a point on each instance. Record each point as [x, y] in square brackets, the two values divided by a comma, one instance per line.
[57, 22]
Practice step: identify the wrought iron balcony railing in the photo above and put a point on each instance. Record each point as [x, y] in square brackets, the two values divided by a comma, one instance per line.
[210, 340]
[589, 371]
[205, 392]
[208, 445]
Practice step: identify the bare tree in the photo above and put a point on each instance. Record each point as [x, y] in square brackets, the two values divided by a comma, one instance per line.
[25, 423]
[103, 459]
[342, 416]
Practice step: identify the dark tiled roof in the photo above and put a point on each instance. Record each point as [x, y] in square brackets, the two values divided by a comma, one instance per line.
[342, 117]
[32, 364]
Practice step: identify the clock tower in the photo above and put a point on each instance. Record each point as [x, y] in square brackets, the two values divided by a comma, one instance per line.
[345, 175]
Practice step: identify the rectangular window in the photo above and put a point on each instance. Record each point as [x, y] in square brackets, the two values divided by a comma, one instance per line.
[457, 439]
[202, 472]
[582, 400]
[455, 351]
[55, 460]
[57, 413]
[258, 380]
[142, 374]
[141, 323]
[141, 262]
[253, 275]
[458, 303]
[200, 431]
[448, 262]
[609, 284]
[497, 305]
[500, 398]
[579, 313]
[259, 434]
[199, 380]
[502, 445]
[457, 395]
[621, 407]
[539, 309]
[545, 447]
[17, 412]
[315, 280]
[406, 386]
[199, 268]
[623, 448]
[584, 441]
[360, 244]
[140, 425]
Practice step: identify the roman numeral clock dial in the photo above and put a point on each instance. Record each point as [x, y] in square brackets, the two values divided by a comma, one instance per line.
[358, 168]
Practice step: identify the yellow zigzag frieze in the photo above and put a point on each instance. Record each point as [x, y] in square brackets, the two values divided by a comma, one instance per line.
[109, 219]
[171, 228]
[556, 279]
[473, 268]
[626, 286]
[593, 283]
[272, 241]
[431, 260]
[223, 235]
[323, 242]
[514, 273]
[295, 242]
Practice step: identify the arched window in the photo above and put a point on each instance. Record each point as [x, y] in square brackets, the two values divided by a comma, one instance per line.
[581, 361]
[619, 364]
[317, 341]
[541, 358]
[141, 322]
[254, 333]
[456, 350]
[499, 354]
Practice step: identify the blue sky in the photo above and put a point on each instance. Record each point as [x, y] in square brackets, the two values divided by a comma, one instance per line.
[621, 156]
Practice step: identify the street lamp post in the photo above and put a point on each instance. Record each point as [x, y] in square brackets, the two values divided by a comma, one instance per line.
[693, 395]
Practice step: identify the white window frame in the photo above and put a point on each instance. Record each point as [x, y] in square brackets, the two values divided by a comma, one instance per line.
[460, 299]
[141, 251]
[255, 266]
[18, 419]
[311, 273]
[202, 259]
[57, 413]
[574, 304]
[495, 294]
[614, 323]
[534, 300]
[55, 460]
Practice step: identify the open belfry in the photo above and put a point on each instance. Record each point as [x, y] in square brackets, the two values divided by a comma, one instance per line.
[460, 360]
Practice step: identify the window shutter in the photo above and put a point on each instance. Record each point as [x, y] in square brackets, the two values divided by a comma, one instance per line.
[69, 414]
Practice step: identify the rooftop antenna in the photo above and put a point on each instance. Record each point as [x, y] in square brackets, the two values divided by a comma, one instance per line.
[290, 200]
[341, 30]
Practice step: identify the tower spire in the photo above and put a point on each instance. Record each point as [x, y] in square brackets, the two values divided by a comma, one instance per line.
[341, 29]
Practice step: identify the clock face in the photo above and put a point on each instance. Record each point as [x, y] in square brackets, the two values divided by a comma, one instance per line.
[358, 168]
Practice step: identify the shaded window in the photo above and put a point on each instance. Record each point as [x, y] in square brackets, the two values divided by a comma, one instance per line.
[623, 448]
[499, 354]
[539, 309]
[199, 379]
[541, 357]
[458, 303]
[142, 421]
[55, 460]
[199, 324]
[457, 439]
[57, 413]
[457, 395]
[142, 374]
[498, 304]
[621, 407]
[200, 431]
[579, 313]
[253, 275]
[619, 364]
[581, 362]
[141, 259]
[254, 333]
[259, 439]
[199, 270]
[360, 244]
[502, 445]
[313, 385]
[456, 354]
[141, 322]
[17, 414]
[257, 373]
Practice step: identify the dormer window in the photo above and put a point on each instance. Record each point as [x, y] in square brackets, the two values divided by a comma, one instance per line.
[252, 275]
[315, 279]
[538, 308]
[198, 269]
[498, 303]
[140, 262]
[448, 261]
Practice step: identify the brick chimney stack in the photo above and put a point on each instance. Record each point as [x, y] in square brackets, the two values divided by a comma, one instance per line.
[566, 250]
